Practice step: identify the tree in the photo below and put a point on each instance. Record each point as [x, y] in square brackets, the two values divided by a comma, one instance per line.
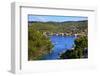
[38, 44]
[81, 43]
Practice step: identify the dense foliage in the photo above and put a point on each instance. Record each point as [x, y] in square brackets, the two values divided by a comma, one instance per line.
[38, 44]
[79, 51]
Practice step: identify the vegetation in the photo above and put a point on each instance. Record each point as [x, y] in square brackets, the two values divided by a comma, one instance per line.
[59, 27]
[79, 51]
[38, 44]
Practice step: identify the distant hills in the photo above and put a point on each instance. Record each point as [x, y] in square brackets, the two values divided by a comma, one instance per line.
[57, 22]
[65, 27]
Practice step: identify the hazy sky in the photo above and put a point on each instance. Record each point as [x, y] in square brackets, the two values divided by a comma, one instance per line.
[55, 18]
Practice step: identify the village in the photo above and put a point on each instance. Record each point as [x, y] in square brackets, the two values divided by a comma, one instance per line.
[65, 34]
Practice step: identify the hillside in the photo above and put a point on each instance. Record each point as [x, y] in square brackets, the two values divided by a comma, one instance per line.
[70, 27]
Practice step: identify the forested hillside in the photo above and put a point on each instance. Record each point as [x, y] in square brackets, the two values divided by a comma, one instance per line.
[71, 27]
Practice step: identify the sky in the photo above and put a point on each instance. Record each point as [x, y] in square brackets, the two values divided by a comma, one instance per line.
[44, 18]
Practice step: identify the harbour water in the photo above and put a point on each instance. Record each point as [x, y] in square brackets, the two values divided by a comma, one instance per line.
[61, 44]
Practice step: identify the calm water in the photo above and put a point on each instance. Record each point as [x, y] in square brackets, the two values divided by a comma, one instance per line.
[61, 44]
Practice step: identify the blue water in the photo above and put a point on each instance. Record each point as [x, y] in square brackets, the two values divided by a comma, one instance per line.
[61, 44]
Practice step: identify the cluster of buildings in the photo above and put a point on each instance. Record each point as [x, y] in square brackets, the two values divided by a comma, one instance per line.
[57, 34]
[63, 34]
